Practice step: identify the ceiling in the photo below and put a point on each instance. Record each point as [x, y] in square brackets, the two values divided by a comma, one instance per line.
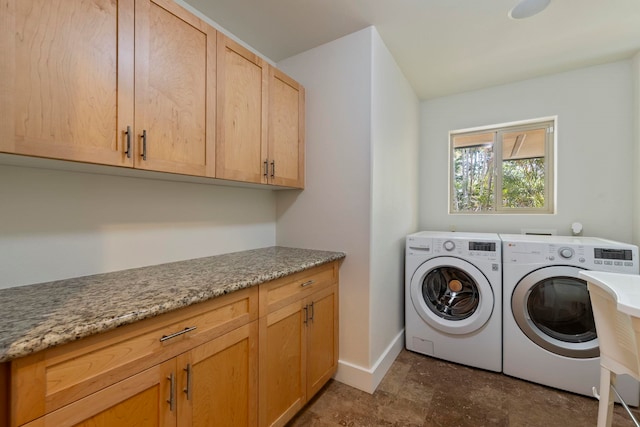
[443, 46]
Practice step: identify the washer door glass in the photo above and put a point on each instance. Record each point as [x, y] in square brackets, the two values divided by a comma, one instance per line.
[452, 295]
[552, 308]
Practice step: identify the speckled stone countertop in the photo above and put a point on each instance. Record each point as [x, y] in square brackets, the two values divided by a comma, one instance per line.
[44, 315]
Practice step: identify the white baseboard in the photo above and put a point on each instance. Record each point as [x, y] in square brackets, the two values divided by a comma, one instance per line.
[368, 379]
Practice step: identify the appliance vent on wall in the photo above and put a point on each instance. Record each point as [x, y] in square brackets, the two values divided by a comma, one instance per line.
[539, 231]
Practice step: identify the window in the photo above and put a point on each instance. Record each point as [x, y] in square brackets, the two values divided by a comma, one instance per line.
[503, 168]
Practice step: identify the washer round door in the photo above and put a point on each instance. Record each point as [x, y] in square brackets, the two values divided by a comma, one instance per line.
[452, 295]
[552, 308]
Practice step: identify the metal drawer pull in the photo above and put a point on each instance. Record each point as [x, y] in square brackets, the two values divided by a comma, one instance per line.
[307, 283]
[273, 168]
[312, 312]
[266, 168]
[144, 145]
[128, 133]
[306, 314]
[184, 331]
[188, 389]
[172, 399]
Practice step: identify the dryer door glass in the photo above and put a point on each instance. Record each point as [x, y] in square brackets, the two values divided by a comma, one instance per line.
[552, 308]
[450, 293]
[561, 308]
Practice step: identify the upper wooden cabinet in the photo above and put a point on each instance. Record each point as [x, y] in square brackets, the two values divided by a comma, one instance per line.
[242, 110]
[286, 130]
[67, 90]
[145, 84]
[67, 79]
[260, 134]
[175, 87]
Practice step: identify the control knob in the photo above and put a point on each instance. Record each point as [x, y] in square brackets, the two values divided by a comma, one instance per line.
[449, 245]
[565, 252]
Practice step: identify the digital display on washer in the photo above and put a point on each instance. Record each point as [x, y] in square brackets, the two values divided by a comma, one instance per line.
[482, 246]
[623, 254]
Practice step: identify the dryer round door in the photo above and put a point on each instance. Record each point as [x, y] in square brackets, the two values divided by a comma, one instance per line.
[552, 308]
[452, 295]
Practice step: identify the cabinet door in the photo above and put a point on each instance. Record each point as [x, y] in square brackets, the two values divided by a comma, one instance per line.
[142, 400]
[66, 90]
[282, 364]
[286, 130]
[322, 338]
[242, 95]
[219, 381]
[175, 90]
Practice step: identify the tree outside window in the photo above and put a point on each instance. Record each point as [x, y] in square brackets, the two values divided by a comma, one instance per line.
[503, 169]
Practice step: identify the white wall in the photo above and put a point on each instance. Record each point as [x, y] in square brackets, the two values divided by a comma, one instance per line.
[636, 148]
[58, 224]
[394, 197]
[333, 212]
[361, 114]
[187, 5]
[594, 146]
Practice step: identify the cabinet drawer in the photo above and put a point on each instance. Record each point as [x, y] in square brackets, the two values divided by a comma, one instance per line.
[67, 373]
[142, 397]
[278, 293]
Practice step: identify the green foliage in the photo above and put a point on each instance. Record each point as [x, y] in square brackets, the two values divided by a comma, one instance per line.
[523, 183]
[474, 179]
[475, 188]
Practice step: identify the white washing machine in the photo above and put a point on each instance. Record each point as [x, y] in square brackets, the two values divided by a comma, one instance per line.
[549, 335]
[453, 290]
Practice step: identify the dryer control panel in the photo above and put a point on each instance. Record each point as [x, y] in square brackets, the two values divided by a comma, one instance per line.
[592, 255]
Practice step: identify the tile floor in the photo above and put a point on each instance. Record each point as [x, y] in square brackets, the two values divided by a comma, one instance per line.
[423, 391]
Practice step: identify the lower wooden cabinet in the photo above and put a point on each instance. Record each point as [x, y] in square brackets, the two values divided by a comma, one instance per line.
[220, 381]
[322, 339]
[212, 385]
[282, 361]
[253, 357]
[140, 400]
[298, 343]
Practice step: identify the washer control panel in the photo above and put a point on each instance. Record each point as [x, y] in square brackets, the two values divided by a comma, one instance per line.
[468, 249]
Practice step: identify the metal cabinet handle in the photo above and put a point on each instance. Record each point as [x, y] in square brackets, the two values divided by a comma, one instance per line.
[144, 144]
[312, 312]
[273, 168]
[306, 314]
[128, 150]
[188, 389]
[307, 283]
[176, 334]
[172, 400]
[266, 168]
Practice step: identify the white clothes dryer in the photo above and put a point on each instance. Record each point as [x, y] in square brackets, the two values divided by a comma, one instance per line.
[453, 289]
[549, 335]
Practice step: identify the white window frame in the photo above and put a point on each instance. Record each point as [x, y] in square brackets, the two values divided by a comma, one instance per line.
[550, 185]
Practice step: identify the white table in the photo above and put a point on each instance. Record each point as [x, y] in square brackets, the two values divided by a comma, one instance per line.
[624, 288]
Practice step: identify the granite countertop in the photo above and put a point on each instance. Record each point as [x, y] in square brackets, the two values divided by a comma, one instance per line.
[44, 315]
